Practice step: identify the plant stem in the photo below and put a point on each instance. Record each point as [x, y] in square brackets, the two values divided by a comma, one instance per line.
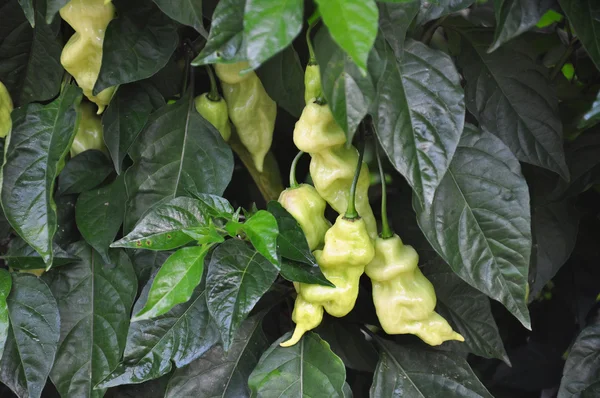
[351, 213]
[563, 59]
[386, 231]
[293, 182]
[312, 22]
[213, 95]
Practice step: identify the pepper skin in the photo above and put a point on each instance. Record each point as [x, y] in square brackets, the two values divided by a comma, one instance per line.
[308, 208]
[89, 134]
[82, 55]
[251, 109]
[312, 83]
[404, 298]
[215, 112]
[6, 107]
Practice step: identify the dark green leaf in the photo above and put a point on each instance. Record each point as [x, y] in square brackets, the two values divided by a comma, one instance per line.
[226, 38]
[175, 282]
[103, 207]
[582, 368]
[583, 158]
[177, 152]
[155, 388]
[353, 26]
[181, 335]
[261, 228]
[39, 142]
[291, 241]
[420, 114]
[269, 27]
[237, 278]
[419, 372]
[514, 17]
[137, 44]
[94, 300]
[295, 271]
[394, 22]
[52, 8]
[479, 221]
[5, 286]
[187, 12]
[511, 97]
[213, 205]
[22, 256]
[220, 374]
[84, 172]
[27, 6]
[32, 338]
[592, 115]
[307, 369]
[30, 66]
[66, 232]
[431, 10]
[126, 116]
[146, 262]
[583, 19]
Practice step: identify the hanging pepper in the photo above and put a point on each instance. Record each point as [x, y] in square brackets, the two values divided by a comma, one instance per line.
[213, 108]
[6, 107]
[251, 109]
[89, 134]
[312, 83]
[82, 55]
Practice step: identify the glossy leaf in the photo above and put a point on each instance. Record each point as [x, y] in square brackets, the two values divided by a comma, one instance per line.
[5, 286]
[39, 142]
[394, 22]
[176, 153]
[291, 241]
[511, 97]
[187, 12]
[295, 271]
[30, 66]
[137, 44]
[262, 230]
[308, 368]
[94, 299]
[175, 282]
[582, 369]
[220, 374]
[214, 205]
[420, 114]
[32, 337]
[22, 256]
[104, 206]
[353, 26]
[416, 371]
[583, 19]
[237, 278]
[431, 10]
[84, 172]
[179, 336]
[480, 222]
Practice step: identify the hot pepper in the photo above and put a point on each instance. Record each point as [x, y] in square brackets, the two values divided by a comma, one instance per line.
[82, 55]
[89, 134]
[251, 109]
[312, 82]
[213, 108]
[6, 107]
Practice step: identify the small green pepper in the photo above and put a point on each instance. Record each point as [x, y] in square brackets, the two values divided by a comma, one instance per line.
[6, 107]
[215, 112]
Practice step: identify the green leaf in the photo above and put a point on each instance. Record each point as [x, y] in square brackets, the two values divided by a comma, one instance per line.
[177, 152]
[307, 369]
[416, 371]
[94, 299]
[467, 310]
[419, 116]
[394, 22]
[175, 282]
[180, 336]
[5, 286]
[30, 66]
[220, 374]
[163, 227]
[480, 222]
[101, 207]
[124, 119]
[214, 205]
[582, 369]
[226, 39]
[262, 230]
[583, 19]
[269, 27]
[146, 262]
[291, 241]
[22, 256]
[514, 17]
[583, 158]
[52, 8]
[431, 10]
[511, 97]
[32, 338]
[187, 12]
[353, 26]
[295, 271]
[237, 278]
[84, 172]
[137, 44]
[37, 146]
[27, 6]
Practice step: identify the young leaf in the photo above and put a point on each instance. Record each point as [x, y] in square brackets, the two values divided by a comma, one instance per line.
[269, 27]
[353, 26]
[480, 222]
[179, 336]
[137, 44]
[307, 369]
[431, 10]
[84, 172]
[237, 278]
[106, 207]
[175, 282]
[580, 375]
[94, 299]
[184, 11]
[220, 374]
[583, 19]
[32, 337]
[5, 286]
[22, 256]
[39, 142]
[411, 371]
[261, 228]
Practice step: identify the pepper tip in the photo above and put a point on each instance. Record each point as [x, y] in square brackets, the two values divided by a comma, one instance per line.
[298, 333]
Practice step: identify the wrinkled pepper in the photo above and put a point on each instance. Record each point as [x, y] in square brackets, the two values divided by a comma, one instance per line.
[215, 112]
[6, 107]
[89, 134]
[251, 109]
[82, 55]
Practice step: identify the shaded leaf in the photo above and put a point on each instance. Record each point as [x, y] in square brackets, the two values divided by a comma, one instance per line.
[146, 262]
[582, 369]
[52, 8]
[27, 7]
[5, 286]
[22, 256]
[187, 12]
[394, 22]
[591, 117]
[295, 271]
[431, 10]
[583, 19]
[291, 241]
[84, 172]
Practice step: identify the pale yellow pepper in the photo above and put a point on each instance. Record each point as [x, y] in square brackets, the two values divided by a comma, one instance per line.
[90, 132]
[6, 107]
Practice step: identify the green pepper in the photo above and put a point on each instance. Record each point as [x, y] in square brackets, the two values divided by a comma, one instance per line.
[215, 112]
[312, 83]
[6, 107]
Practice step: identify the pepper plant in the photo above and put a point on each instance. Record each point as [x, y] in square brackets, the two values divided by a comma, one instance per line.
[438, 236]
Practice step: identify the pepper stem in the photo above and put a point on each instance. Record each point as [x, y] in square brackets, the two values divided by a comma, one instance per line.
[312, 22]
[213, 95]
[351, 213]
[293, 182]
[386, 231]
